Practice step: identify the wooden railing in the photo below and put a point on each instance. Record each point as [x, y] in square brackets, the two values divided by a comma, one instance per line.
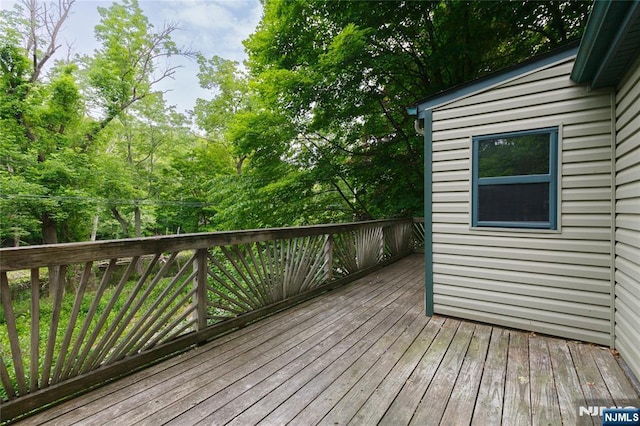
[116, 306]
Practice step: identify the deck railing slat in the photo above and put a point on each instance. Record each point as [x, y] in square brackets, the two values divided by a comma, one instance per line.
[155, 311]
[53, 327]
[10, 319]
[71, 324]
[131, 308]
[73, 369]
[96, 354]
[35, 329]
[161, 319]
[234, 255]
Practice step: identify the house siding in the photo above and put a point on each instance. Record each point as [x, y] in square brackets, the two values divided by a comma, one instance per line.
[555, 282]
[627, 247]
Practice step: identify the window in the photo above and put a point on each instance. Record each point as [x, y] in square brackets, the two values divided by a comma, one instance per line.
[515, 179]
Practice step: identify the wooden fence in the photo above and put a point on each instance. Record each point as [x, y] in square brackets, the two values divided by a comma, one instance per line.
[117, 306]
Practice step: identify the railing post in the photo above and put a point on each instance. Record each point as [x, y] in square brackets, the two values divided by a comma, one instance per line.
[328, 257]
[200, 296]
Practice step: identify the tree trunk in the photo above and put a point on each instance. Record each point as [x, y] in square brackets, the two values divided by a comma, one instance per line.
[121, 220]
[50, 236]
[138, 227]
[138, 221]
[94, 228]
[239, 164]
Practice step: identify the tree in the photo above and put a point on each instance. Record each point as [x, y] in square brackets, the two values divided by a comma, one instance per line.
[51, 139]
[271, 187]
[42, 120]
[132, 59]
[343, 73]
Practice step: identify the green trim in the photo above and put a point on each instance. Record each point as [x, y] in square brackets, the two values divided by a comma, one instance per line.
[592, 45]
[428, 212]
[609, 27]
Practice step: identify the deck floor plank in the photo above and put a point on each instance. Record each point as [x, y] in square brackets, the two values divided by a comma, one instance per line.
[488, 408]
[379, 402]
[324, 388]
[353, 347]
[351, 339]
[545, 408]
[434, 401]
[363, 354]
[463, 398]
[567, 384]
[404, 406]
[368, 384]
[517, 393]
[594, 387]
[614, 377]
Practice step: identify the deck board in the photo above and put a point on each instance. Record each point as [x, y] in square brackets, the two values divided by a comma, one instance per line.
[401, 410]
[567, 383]
[464, 394]
[516, 409]
[545, 408]
[490, 398]
[435, 399]
[362, 354]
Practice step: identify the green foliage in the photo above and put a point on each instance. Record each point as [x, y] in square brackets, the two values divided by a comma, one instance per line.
[312, 128]
[66, 166]
[121, 70]
[343, 72]
[43, 168]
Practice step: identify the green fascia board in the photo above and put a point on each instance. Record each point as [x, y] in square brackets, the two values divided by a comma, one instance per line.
[608, 22]
[490, 80]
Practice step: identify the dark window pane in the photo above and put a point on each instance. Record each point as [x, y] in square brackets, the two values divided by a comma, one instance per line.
[514, 203]
[514, 155]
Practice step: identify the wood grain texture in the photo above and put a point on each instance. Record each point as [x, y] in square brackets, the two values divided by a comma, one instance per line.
[545, 408]
[517, 393]
[488, 407]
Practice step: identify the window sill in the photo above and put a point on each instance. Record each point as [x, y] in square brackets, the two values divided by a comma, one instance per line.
[504, 231]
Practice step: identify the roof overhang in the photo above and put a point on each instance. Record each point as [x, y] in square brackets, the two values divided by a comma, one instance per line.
[610, 43]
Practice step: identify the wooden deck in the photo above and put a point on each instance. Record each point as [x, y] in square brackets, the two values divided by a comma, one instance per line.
[364, 354]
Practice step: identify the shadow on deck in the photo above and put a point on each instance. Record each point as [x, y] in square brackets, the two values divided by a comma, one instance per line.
[364, 354]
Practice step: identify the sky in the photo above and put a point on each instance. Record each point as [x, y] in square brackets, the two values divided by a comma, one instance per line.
[212, 27]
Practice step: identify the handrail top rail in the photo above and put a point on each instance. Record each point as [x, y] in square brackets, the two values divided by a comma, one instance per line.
[28, 257]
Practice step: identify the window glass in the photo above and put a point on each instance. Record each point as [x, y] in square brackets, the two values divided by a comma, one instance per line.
[514, 203]
[514, 155]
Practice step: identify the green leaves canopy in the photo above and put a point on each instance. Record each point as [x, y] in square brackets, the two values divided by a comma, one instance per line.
[343, 73]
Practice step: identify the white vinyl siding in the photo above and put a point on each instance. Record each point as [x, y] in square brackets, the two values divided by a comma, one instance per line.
[627, 275]
[554, 282]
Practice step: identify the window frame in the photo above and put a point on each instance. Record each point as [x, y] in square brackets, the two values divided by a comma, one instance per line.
[551, 178]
